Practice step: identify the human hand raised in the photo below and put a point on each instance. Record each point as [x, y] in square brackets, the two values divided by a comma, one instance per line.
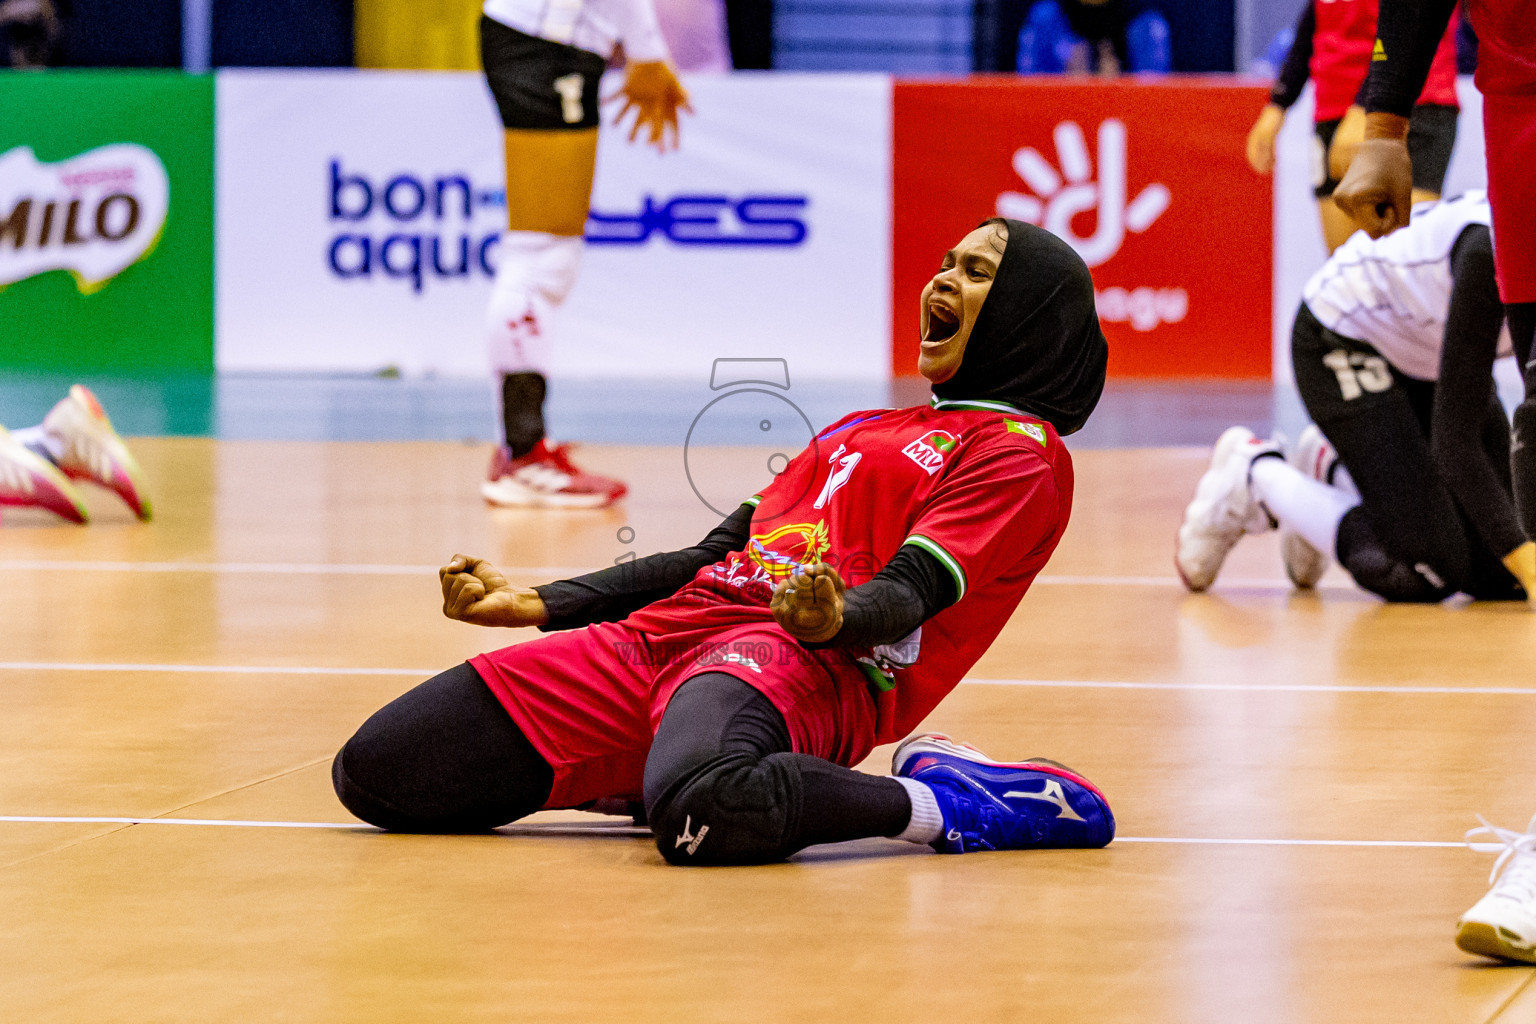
[809, 605]
[476, 592]
[652, 91]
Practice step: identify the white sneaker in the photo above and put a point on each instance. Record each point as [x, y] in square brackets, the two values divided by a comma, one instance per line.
[1312, 456]
[1503, 923]
[1223, 508]
[31, 481]
[87, 448]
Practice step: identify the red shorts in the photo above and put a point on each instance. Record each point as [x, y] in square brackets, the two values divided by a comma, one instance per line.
[590, 700]
[1509, 134]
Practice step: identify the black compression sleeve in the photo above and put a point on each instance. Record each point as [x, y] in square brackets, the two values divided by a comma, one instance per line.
[1407, 32]
[611, 594]
[911, 589]
[1293, 73]
[1464, 397]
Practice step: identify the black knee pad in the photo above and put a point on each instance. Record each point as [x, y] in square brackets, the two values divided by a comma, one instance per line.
[1385, 575]
[364, 804]
[732, 809]
[1394, 581]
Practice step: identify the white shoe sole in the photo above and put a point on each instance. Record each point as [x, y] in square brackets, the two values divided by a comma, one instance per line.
[936, 743]
[508, 493]
[1304, 564]
[1486, 939]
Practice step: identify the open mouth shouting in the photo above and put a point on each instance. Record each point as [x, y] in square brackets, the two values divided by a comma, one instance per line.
[942, 322]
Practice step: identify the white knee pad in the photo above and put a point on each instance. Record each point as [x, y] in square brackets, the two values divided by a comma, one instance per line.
[535, 271]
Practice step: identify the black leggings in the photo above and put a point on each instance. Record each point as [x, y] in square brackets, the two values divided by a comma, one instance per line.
[721, 783]
[1407, 540]
[1522, 331]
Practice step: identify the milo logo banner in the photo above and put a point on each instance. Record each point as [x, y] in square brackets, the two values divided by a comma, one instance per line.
[106, 222]
[94, 216]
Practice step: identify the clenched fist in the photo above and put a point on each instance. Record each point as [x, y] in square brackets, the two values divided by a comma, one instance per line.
[476, 592]
[809, 605]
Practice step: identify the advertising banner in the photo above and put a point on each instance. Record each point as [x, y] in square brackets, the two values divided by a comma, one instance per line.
[1148, 183]
[106, 222]
[360, 215]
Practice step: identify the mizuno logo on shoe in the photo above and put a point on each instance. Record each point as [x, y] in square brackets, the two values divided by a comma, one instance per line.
[691, 839]
[1053, 794]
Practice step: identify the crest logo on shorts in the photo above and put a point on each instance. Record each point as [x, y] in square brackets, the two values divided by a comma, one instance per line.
[94, 215]
[781, 552]
[929, 450]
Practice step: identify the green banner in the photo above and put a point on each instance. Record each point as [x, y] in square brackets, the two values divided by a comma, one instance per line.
[106, 222]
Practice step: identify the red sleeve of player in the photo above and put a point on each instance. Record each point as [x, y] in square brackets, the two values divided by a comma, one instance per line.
[991, 511]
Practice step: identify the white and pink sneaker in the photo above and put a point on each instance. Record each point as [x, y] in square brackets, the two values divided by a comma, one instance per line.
[27, 480]
[546, 478]
[80, 439]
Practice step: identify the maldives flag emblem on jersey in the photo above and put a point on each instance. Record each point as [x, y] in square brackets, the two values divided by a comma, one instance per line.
[929, 450]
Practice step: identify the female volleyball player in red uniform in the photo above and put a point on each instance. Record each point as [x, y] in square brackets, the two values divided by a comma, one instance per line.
[1332, 46]
[1375, 194]
[732, 684]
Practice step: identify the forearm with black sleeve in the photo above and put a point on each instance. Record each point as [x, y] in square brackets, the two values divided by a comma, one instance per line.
[1407, 34]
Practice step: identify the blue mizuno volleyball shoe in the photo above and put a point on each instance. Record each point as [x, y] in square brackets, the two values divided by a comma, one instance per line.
[988, 805]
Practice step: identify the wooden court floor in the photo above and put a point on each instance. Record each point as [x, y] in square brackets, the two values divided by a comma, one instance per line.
[1292, 776]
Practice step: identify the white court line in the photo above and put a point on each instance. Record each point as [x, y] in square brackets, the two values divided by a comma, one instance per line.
[1506, 691]
[250, 670]
[364, 569]
[425, 673]
[45, 819]
[597, 827]
[276, 568]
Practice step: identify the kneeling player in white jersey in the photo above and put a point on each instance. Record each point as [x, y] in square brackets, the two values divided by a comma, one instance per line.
[1405, 476]
[75, 441]
[543, 61]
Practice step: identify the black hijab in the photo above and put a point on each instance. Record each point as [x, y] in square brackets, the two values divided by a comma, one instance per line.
[1037, 343]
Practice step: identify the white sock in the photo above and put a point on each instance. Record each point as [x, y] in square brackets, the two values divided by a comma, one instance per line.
[1302, 504]
[39, 439]
[535, 271]
[1341, 479]
[927, 822]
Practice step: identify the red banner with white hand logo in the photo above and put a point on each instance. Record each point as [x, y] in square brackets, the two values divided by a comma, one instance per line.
[1147, 181]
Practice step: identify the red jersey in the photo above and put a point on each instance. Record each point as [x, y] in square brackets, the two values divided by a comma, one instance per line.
[1506, 45]
[983, 488]
[1342, 42]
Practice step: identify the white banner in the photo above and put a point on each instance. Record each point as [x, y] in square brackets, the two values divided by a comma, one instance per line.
[358, 217]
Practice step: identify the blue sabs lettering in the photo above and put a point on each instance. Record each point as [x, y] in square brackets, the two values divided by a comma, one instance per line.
[705, 220]
[423, 227]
